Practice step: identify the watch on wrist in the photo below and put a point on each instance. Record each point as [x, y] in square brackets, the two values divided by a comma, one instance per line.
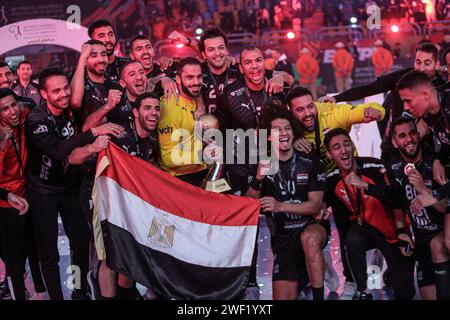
[255, 184]
[436, 194]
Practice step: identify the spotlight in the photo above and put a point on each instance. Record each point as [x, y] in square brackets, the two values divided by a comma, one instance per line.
[198, 31]
[395, 28]
[353, 20]
[290, 35]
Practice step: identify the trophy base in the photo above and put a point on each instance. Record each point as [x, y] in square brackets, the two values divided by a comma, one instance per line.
[220, 185]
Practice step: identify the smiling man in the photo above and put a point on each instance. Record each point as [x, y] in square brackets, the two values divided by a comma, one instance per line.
[25, 87]
[318, 118]
[7, 81]
[103, 31]
[178, 146]
[53, 184]
[293, 199]
[142, 51]
[361, 186]
[421, 98]
[13, 157]
[428, 224]
[90, 87]
[118, 107]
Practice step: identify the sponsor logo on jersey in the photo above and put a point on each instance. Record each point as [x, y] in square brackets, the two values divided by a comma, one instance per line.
[41, 129]
[237, 92]
[396, 166]
[166, 130]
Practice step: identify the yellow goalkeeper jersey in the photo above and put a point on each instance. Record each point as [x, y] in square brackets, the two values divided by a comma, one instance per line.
[180, 150]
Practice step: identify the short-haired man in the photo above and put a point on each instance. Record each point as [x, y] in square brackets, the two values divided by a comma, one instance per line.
[318, 118]
[12, 161]
[25, 87]
[411, 174]
[179, 156]
[103, 31]
[426, 60]
[142, 51]
[139, 139]
[90, 87]
[422, 100]
[7, 81]
[219, 71]
[53, 184]
[240, 107]
[118, 107]
[361, 185]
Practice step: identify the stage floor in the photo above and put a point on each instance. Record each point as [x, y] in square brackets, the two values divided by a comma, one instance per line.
[264, 267]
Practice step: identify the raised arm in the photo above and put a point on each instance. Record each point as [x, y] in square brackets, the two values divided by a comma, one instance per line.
[77, 83]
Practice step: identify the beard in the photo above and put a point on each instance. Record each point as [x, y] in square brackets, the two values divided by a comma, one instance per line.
[410, 155]
[110, 52]
[93, 69]
[188, 92]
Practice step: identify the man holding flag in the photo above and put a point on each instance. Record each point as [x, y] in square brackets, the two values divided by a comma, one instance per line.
[164, 233]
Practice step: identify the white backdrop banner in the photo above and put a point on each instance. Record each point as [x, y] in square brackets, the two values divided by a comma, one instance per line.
[42, 31]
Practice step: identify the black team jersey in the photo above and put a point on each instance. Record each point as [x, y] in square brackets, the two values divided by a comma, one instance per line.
[113, 69]
[439, 125]
[95, 96]
[429, 221]
[296, 177]
[214, 85]
[50, 140]
[146, 149]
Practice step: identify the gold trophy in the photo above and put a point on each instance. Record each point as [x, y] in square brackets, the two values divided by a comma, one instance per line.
[214, 181]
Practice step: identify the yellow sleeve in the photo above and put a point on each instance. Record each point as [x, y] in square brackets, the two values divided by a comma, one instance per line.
[346, 115]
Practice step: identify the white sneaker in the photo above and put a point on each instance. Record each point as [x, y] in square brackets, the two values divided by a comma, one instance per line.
[40, 296]
[349, 291]
[252, 293]
[331, 276]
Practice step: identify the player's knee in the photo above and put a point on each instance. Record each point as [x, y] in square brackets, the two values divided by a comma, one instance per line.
[438, 247]
[311, 240]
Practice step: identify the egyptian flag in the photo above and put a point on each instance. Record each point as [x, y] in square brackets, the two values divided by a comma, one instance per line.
[179, 240]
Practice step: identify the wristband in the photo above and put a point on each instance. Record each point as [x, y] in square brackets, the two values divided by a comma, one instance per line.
[436, 194]
[400, 230]
[255, 184]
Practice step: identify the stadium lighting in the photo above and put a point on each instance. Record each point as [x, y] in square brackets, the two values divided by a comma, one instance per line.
[353, 20]
[395, 28]
[290, 35]
[198, 31]
[180, 45]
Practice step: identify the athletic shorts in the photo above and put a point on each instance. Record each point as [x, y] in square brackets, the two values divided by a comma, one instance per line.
[289, 258]
[422, 254]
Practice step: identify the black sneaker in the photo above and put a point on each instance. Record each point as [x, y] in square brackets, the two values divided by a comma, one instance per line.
[365, 296]
[128, 293]
[78, 294]
[94, 292]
